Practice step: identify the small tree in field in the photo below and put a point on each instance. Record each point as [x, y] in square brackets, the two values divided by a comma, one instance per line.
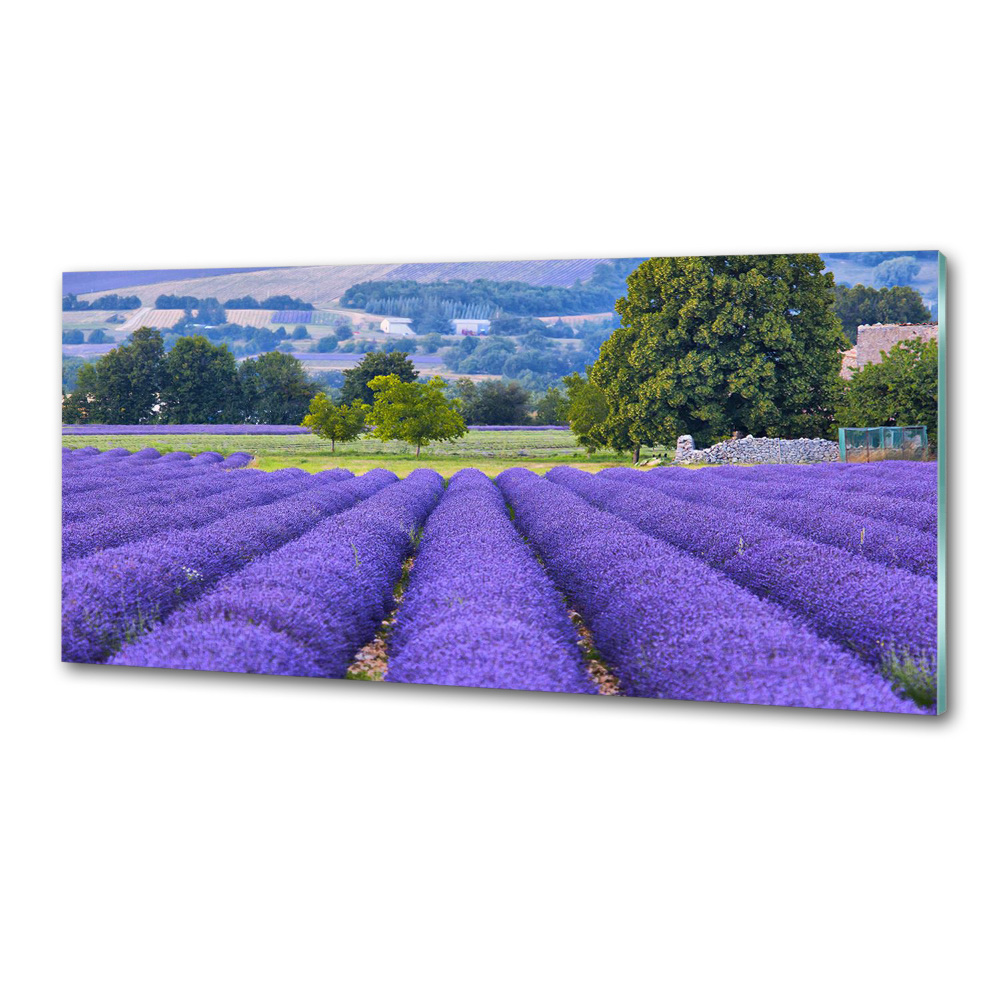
[337, 423]
[414, 412]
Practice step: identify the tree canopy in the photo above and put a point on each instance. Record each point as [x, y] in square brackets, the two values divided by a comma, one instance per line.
[122, 386]
[863, 305]
[335, 423]
[493, 402]
[194, 382]
[709, 345]
[901, 391]
[357, 379]
[199, 384]
[274, 389]
[587, 409]
[414, 412]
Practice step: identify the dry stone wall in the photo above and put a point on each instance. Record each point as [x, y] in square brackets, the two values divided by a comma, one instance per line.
[757, 451]
[874, 339]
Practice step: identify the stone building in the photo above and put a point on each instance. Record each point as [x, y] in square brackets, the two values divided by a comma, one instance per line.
[874, 339]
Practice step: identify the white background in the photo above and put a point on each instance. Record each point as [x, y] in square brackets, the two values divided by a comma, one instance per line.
[215, 836]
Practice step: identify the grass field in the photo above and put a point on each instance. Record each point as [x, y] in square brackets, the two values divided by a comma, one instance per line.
[491, 451]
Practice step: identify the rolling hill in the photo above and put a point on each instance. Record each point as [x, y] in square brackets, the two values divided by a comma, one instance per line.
[324, 284]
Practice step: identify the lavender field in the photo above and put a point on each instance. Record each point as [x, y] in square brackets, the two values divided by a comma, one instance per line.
[776, 585]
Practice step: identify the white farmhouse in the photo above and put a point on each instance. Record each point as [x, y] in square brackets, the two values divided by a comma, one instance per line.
[471, 327]
[398, 325]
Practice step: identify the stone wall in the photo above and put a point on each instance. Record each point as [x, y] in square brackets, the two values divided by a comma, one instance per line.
[874, 339]
[757, 451]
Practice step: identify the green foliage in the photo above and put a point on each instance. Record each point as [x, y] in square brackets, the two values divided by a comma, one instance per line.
[493, 402]
[122, 386]
[106, 302]
[414, 412]
[861, 306]
[553, 406]
[327, 345]
[100, 337]
[72, 336]
[913, 678]
[70, 369]
[482, 297]
[199, 384]
[274, 389]
[587, 409]
[333, 422]
[901, 391]
[299, 333]
[357, 379]
[709, 345]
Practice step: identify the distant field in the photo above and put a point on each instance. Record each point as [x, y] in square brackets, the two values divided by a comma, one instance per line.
[322, 285]
[249, 317]
[491, 451]
[159, 319]
[89, 319]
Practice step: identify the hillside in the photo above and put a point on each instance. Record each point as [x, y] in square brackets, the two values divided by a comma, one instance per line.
[324, 284]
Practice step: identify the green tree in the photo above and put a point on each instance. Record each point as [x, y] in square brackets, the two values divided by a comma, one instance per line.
[709, 345]
[123, 386]
[72, 336]
[493, 402]
[199, 383]
[901, 391]
[357, 379]
[862, 305]
[553, 406]
[327, 345]
[100, 337]
[337, 423]
[586, 411]
[274, 389]
[415, 412]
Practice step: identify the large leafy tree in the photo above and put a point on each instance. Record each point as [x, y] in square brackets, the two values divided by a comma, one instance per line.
[901, 391]
[862, 305]
[199, 383]
[415, 412]
[123, 386]
[274, 389]
[335, 423]
[709, 345]
[356, 379]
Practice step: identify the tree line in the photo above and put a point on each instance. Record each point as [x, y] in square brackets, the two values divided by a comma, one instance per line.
[71, 303]
[193, 303]
[863, 305]
[598, 294]
[196, 382]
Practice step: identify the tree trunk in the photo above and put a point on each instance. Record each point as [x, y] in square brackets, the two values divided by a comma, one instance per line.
[635, 455]
[333, 445]
[418, 451]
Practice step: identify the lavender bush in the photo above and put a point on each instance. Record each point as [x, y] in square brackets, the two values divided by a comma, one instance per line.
[479, 610]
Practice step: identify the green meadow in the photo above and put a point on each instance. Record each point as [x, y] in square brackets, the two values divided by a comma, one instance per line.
[491, 451]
